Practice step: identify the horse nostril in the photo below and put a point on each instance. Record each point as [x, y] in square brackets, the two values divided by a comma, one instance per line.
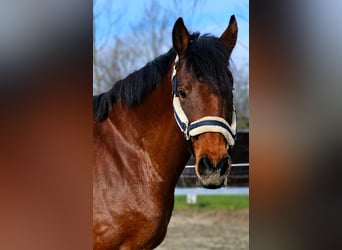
[222, 165]
[204, 166]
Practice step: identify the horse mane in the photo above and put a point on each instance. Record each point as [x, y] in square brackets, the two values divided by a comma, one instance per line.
[206, 56]
[131, 90]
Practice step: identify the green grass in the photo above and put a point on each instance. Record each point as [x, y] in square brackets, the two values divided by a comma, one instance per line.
[224, 202]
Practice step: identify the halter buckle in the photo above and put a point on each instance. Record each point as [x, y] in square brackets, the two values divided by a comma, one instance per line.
[186, 132]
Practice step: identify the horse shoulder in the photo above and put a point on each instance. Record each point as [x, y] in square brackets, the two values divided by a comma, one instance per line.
[130, 211]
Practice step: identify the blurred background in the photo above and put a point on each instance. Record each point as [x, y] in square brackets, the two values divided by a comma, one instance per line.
[46, 50]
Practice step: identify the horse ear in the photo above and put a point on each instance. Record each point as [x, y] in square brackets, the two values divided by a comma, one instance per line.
[180, 37]
[229, 36]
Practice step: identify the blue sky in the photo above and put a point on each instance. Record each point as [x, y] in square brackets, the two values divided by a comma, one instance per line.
[209, 16]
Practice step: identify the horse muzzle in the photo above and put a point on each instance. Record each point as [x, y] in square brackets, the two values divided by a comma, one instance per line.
[212, 175]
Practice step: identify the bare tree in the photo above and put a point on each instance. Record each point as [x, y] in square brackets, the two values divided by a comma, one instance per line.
[153, 30]
[241, 91]
[112, 15]
[116, 56]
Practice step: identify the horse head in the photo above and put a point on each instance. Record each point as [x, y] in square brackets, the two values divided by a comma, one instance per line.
[203, 99]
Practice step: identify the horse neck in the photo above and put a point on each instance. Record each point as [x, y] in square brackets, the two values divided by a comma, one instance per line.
[151, 126]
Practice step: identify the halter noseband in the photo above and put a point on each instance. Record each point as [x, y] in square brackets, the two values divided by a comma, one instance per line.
[205, 124]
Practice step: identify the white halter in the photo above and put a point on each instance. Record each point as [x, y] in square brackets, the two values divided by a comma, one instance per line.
[203, 125]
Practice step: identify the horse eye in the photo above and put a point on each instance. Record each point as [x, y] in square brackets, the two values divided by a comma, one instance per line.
[182, 93]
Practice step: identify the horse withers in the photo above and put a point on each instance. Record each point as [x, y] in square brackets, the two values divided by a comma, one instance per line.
[147, 126]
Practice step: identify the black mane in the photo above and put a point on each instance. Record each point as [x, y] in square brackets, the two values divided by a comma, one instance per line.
[131, 90]
[207, 57]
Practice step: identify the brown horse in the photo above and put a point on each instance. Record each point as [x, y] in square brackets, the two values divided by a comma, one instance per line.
[139, 151]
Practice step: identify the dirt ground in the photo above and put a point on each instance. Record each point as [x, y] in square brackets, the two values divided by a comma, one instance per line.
[207, 230]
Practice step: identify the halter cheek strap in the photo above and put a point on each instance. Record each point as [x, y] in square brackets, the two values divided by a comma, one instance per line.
[203, 125]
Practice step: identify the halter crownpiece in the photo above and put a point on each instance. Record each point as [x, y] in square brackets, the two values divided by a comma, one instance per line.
[205, 124]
